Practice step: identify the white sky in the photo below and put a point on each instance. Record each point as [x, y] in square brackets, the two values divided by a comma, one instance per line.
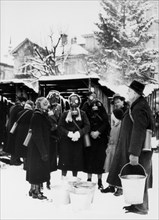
[35, 19]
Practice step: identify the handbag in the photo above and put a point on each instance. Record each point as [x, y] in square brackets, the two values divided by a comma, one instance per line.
[87, 141]
[147, 143]
[86, 137]
[29, 134]
[27, 139]
[13, 128]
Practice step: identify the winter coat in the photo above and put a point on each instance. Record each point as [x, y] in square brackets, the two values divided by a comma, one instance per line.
[38, 166]
[13, 116]
[54, 140]
[21, 132]
[131, 141]
[113, 140]
[71, 152]
[95, 155]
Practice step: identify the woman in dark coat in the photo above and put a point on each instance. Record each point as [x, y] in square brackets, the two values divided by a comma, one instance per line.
[55, 110]
[22, 129]
[38, 167]
[13, 116]
[99, 133]
[131, 142]
[71, 137]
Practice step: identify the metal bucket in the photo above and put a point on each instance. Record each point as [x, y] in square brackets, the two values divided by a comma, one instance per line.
[133, 184]
[82, 195]
[61, 194]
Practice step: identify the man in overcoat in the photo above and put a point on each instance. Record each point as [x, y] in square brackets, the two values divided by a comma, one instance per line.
[131, 143]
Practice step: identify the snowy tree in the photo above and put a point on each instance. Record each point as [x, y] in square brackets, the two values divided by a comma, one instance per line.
[42, 61]
[123, 34]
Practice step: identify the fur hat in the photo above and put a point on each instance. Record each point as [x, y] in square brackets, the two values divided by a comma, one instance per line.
[118, 113]
[138, 87]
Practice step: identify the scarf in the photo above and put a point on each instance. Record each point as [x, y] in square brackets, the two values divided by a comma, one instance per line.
[69, 116]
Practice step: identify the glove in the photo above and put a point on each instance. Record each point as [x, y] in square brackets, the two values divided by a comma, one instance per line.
[76, 136]
[50, 113]
[70, 134]
[134, 160]
[95, 134]
[45, 157]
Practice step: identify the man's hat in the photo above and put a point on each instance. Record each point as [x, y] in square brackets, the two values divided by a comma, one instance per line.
[138, 87]
[117, 96]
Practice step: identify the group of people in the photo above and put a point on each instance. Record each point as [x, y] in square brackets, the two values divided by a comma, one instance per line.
[57, 139]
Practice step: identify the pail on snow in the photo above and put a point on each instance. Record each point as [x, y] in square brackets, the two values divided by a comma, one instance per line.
[81, 195]
[61, 195]
[133, 183]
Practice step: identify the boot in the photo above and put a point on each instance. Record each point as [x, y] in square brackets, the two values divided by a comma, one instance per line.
[48, 185]
[109, 189]
[119, 192]
[100, 185]
[37, 194]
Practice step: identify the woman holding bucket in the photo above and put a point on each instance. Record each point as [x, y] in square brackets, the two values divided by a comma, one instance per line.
[131, 142]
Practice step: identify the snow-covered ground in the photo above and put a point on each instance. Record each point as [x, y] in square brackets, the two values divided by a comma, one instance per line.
[16, 204]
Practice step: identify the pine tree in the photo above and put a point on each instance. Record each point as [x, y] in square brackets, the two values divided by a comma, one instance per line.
[123, 34]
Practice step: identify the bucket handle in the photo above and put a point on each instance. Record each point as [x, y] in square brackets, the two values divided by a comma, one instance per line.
[132, 165]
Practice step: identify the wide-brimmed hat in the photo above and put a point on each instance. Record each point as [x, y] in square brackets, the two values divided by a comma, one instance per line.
[117, 96]
[137, 86]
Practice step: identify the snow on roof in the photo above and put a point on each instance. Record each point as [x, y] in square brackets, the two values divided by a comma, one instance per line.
[150, 88]
[30, 83]
[7, 59]
[68, 77]
[19, 45]
[81, 40]
[11, 81]
[121, 89]
[71, 50]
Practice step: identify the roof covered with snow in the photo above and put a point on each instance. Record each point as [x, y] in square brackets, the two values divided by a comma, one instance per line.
[71, 50]
[68, 77]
